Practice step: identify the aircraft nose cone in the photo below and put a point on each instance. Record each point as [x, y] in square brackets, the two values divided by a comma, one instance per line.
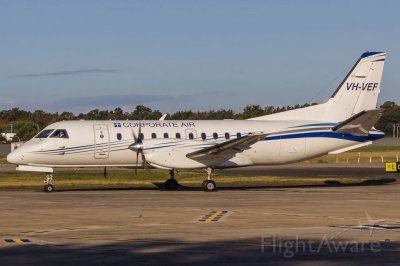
[14, 157]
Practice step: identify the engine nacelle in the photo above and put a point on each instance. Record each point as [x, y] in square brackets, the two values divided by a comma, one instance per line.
[171, 153]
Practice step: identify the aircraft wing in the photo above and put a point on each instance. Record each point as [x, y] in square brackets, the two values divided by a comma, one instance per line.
[221, 152]
[359, 124]
[228, 148]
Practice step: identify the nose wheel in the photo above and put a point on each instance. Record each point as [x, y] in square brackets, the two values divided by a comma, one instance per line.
[48, 186]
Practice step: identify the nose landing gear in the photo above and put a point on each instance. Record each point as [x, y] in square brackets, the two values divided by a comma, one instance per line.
[48, 187]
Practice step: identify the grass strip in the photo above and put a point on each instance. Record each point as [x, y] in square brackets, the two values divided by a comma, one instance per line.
[123, 178]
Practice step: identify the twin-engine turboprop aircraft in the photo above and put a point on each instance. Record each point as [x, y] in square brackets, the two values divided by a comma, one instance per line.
[342, 123]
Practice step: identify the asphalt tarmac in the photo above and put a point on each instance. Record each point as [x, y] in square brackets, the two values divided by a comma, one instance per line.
[356, 224]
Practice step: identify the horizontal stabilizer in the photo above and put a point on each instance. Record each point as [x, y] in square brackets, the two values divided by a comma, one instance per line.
[351, 148]
[359, 124]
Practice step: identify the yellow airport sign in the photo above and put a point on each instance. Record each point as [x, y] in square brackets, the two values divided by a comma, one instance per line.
[392, 167]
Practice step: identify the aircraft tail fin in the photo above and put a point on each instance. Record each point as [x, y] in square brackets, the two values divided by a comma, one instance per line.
[360, 89]
[358, 92]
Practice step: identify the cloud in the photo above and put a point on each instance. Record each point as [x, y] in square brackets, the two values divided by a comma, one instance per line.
[68, 73]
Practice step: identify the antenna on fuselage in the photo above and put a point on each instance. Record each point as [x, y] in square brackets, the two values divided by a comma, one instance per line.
[163, 117]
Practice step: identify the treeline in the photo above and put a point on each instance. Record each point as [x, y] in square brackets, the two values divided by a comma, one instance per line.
[390, 118]
[26, 123]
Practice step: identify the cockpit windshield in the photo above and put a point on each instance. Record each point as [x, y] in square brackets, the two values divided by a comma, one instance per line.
[60, 133]
[44, 133]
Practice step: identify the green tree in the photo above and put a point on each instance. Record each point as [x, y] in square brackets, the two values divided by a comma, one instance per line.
[390, 117]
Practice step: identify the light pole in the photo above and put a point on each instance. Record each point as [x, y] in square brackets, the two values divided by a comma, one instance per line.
[394, 129]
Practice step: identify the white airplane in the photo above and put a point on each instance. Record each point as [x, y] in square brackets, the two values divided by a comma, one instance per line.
[342, 123]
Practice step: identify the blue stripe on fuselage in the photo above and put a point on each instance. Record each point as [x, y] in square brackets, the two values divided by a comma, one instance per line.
[317, 124]
[326, 135]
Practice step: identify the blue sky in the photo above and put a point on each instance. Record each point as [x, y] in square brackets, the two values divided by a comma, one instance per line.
[199, 55]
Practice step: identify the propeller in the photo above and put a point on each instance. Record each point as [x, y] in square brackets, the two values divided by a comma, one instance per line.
[137, 146]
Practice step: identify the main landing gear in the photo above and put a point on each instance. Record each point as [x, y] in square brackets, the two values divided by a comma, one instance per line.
[171, 183]
[209, 185]
[48, 186]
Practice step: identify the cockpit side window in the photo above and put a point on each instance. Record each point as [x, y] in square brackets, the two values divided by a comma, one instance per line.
[60, 133]
[44, 133]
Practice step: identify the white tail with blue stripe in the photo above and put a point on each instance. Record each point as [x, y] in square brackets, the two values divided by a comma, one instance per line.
[358, 92]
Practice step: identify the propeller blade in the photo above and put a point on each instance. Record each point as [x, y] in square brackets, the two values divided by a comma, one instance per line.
[140, 133]
[137, 157]
[134, 135]
[145, 164]
[138, 147]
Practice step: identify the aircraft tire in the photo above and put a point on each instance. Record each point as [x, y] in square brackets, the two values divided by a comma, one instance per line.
[48, 188]
[202, 184]
[209, 186]
[171, 184]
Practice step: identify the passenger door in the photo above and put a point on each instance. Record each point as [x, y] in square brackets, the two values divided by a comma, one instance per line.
[101, 141]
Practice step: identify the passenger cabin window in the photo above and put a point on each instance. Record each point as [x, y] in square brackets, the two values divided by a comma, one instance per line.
[215, 135]
[44, 134]
[238, 135]
[178, 135]
[203, 136]
[153, 135]
[119, 136]
[227, 136]
[190, 135]
[166, 135]
[60, 133]
[141, 136]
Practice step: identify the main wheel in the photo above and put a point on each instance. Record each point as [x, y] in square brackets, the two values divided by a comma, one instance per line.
[209, 186]
[171, 184]
[48, 188]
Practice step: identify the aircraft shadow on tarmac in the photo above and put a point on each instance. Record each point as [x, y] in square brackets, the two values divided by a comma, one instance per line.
[160, 186]
[174, 252]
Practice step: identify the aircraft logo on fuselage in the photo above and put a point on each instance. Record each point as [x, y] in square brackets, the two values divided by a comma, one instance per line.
[185, 124]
